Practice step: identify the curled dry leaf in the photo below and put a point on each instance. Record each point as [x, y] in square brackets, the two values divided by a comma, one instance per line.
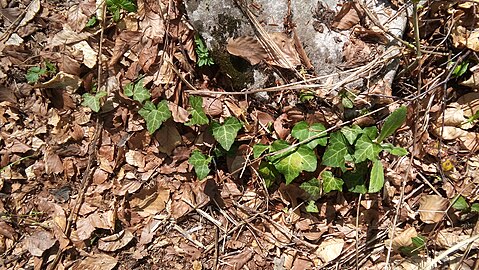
[432, 208]
[402, 239]
[461, 37]
[470, 141]
[470, 102]
[116, 241]
[168, 137]
[67, 36]
[89, 55]
[449, 133]
[212, 106]
[62, 80]
[76, 19]
[447, 238]
[135, 158]
[248, 48]
[330, 249]
[347, 17]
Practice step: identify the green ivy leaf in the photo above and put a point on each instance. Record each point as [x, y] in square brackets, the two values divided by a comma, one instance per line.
[311, 207]
[355, 180]
[392, 123]
[128, 89]
[376, 182]
[330, 182]
[351, 133]
[200, 163]
[34, 74]
[336, 151]
[475, 207]
[397, 151]
[128, 5]
[226, 134]
[460, 204]
[366, 149]
[147, 108]
[198, 116]
[312, 187]
[156, 117]
[93, 101]
[279, 145]
[269, 173]
[258, 149]
[140, 93]
[371, 132]
[291, 165]
[302, 131]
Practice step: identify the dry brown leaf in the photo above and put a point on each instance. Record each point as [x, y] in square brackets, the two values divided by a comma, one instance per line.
[39, 242]
[89, 55]
[470, 141]
[447, 238]
[248, 48]
[212, 106]
[97, 261]
[168, 137]
[461, 37]
[432, 208]
[76, 19]
[116, 241]
[469, 103]
[178, 114]
[347, 17]
[238, 261]
[454, 117]
[123, 42]
[473, 81]
[330, 249]
[53, 163]
[402, 239]
[31, 11]
[135, 158]
[67, 36]
[449, 133]
[62, 81]
[286, 45]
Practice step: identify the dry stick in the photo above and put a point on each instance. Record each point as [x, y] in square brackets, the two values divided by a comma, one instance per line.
[414, 146]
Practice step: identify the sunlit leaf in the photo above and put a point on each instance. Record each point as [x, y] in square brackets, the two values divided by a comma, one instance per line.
[292, 164]
[392, 123]
[460, 204]
[198, 116]
[311, 207]
[128, 89]
[302, 131]
[93, 101]
[475, 207]
[330, 182]
[155, 117]
[376, 182]
[226, 133]
[336, 151]
[140, 93]
[351, 133]
[258, 149]
[34, 74]
[366, 149]
[200, 163]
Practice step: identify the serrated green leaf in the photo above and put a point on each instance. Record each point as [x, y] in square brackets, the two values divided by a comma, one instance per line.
[376, 182]
[269, 173]
[475, 207]
[128, 89]
[91, 22]
[200, 163]
[312, 187]
[51, 68]
[226, 133]
[311, 207]
[302, 131]
[291, 165]
[397, 151]
[460, 204]
[156, 117]
[351, 133]
[330, 182]
[93, 101]
[336, 151]
[392, 123]
[34, 73]
[258, 149]
[198, 116]
[140, 93]
[366, 149]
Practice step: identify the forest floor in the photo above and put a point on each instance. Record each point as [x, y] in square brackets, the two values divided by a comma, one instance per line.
[121, 147]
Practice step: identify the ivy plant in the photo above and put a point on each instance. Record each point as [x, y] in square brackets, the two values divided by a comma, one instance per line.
[36, 72]
[93, 101]
[200, 163]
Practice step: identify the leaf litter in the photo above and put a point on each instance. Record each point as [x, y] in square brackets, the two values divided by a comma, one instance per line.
[143, 203]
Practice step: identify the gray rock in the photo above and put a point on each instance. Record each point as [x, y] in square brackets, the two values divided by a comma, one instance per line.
[219, 20]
